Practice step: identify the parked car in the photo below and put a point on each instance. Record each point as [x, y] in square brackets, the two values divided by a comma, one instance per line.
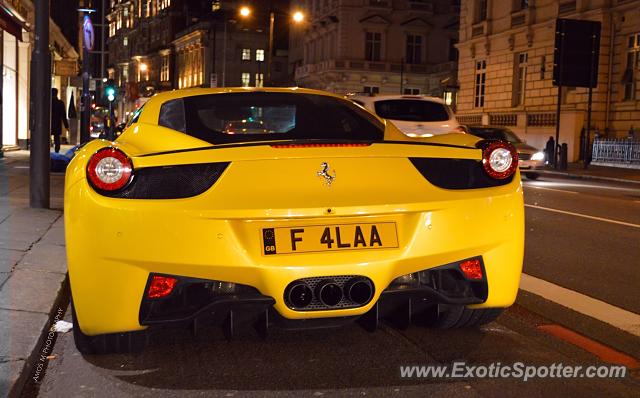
[529, 158]
[414, 115]
[330, 216]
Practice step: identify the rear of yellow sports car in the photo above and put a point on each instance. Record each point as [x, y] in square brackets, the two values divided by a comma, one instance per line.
[286, 223]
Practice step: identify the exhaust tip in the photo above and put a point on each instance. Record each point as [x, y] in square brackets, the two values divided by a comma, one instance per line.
[300, 295]
[359, 290]
[329, 293]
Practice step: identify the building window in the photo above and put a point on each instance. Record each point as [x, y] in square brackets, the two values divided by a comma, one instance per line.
[112, 28]
[246, 54]
[411, 91]
[246, 79]
[481, 11]
[372, 45]
[520, 5]
[260, 55]
[519, 78]
[164, 69]
[449, 97]
[371, 90]
[453, 51]
[125, 41]
[414, 49]
[481, 77]
[633, 64]
[259, 79]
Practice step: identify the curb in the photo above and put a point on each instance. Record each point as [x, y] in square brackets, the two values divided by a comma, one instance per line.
[586, 176]
[27, 372]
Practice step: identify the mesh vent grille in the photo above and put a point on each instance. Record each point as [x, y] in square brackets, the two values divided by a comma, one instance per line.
[171, 182]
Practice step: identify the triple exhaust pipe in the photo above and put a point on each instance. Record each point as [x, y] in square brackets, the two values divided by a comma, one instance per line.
[357, 291]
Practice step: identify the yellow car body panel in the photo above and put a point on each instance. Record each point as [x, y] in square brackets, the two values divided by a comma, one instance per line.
[114, 244]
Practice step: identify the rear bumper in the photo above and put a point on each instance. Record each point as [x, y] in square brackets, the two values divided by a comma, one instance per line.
[248, 308]
[113, 245]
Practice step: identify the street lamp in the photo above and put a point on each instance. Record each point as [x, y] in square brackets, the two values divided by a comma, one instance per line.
[297, 17]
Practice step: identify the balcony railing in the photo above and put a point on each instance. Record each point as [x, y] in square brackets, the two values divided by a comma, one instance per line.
[622, 153]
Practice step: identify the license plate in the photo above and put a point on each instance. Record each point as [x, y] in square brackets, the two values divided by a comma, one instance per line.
[322, 238]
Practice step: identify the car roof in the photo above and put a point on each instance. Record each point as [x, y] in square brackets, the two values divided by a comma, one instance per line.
[375, 98]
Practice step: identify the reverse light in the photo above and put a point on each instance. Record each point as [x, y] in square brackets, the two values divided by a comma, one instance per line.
[109, 169]
[538, 156]
[472, 269]
[499, 158]
[161, 286]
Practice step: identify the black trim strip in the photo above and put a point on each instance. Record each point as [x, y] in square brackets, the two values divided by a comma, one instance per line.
[288, 142]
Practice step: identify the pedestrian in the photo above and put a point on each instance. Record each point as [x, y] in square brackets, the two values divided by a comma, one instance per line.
[58, 118]
[550, 146]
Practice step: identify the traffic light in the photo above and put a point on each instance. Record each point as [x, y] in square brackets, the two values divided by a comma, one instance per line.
[110, 90]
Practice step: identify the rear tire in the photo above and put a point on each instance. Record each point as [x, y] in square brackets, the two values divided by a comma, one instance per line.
[113, 343]
[532, 176]
[444, 316]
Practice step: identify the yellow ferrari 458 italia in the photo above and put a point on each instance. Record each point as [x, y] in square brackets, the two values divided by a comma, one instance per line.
[287, 208]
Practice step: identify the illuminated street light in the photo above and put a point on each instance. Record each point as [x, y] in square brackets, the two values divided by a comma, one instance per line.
[245, 11]
[143, 67]
[298, 16]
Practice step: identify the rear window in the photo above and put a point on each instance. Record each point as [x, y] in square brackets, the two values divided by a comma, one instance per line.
[263, 116]
[495, 134]
[411, 110]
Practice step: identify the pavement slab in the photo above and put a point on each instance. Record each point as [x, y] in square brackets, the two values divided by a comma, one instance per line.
[45, 257]
[20, 331]
[9, 259]
[31, 290]
[9, 374]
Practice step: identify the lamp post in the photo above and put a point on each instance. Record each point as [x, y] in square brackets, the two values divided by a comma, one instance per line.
[297, 17]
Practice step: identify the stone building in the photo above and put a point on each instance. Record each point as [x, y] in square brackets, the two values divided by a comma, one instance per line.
[17, 19]
[158, 45]
[506, 68]
[377, 46]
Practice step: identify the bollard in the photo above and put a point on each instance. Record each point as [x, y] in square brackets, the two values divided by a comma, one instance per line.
[564, 152]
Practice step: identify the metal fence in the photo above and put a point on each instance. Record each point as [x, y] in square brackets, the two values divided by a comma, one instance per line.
[625, 152]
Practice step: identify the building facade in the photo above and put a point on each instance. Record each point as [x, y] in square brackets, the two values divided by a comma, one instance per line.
[17, 19]
[378, 46]
[507, 61]
[158, 45]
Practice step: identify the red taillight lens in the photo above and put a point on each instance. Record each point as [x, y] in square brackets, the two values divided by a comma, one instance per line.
[109, 169]
[499, 158]
[161, 286]
[472, 269]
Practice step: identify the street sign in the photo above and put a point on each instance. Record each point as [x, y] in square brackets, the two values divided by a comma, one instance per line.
[66, 67]
[214, 80]
[577, 48]
[88, 35]
[92, 85]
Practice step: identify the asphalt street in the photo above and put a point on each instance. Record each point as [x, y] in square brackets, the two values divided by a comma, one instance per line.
[580, 235]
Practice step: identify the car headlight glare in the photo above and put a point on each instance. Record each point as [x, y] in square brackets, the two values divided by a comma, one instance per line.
[538, 156]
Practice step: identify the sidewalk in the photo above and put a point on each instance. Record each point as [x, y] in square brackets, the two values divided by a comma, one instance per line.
[32, 270]
[602, 173]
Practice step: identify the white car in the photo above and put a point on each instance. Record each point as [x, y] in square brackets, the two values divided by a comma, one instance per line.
[414, 115]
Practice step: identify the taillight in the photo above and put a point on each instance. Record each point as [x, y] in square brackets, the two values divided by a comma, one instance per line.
[109, 169]
[161, 286]
[472, 268]
[499, 158]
